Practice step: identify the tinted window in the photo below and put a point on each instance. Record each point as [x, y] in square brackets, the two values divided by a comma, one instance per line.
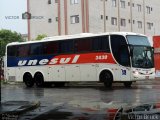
[23, 50]
[66, 46]
[120, 49]
[100, 43]
[51, 48]
[11, 50]
[36, 49]
[138, 40]
[83, 45]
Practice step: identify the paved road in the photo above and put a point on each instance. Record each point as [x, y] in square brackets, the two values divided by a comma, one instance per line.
[84, 96]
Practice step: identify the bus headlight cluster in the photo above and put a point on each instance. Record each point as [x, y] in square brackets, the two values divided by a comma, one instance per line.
[135, 72]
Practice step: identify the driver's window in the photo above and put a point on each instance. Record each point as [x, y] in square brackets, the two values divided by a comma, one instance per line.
[120, 49]
[124, 56]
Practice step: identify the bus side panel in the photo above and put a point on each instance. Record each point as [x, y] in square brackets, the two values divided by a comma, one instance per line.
[72, 72]
[20, 71]
[113, 68]
[11, 74]
[56, 73]
[88, 72]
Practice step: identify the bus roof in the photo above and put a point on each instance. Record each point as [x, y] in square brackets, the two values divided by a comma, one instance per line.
[82, 35]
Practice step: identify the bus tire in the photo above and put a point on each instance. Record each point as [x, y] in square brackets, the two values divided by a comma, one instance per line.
[107, 78]
[39, 79]
[28, 80]
[127, 84]
[59, 84]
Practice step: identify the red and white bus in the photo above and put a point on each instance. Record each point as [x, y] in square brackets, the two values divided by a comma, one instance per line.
[107, 57]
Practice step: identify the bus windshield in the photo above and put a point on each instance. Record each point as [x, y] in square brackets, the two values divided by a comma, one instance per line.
[138, 40]
[142, 52]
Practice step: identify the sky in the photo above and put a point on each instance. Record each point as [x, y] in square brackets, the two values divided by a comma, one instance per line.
[11, 15]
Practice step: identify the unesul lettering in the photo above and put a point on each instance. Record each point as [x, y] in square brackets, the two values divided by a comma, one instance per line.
[48, 62]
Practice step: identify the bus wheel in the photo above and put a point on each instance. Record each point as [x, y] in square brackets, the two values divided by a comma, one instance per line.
[39, 80]
[59, 84]
[107, 78]
[127, 84]
[28, 80]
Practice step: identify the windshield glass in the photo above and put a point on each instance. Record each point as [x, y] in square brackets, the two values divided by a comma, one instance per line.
[138, 40]
[142, 52]
[142, 57]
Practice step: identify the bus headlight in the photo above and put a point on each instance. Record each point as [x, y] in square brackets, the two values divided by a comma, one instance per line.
[135, 72]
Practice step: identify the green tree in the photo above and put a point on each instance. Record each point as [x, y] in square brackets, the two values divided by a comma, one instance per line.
[41, 36]
[7, 36]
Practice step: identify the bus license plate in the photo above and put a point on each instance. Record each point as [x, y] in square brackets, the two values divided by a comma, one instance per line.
[147, 77]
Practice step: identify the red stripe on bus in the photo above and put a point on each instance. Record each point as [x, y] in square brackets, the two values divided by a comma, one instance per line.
[82, 58]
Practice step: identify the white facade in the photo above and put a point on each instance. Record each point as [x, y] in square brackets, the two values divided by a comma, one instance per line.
[60, 17]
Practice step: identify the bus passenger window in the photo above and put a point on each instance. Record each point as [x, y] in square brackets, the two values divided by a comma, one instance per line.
[100, 43]
[105, 43]
[96, 44]
[23, 51]
[83, 45]
[11, 51]
[51, 48]
[36, 49]
[66, 46]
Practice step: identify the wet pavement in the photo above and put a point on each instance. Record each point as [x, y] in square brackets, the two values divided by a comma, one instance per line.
[87, 101]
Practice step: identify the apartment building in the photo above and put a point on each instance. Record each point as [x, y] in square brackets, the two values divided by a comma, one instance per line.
[63, 17]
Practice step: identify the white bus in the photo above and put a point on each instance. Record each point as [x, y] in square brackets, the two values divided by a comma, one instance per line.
[107, 57]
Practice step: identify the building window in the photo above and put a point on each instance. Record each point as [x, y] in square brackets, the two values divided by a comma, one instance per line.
[132, 4]
[49, 20]
[139, 24]
[148, 9]
[129, 21]
[133, 21]
[56, 1]
[114, 21]
[139, 7]
[128, 3]
[114, 3]
[74, 19]
[106, 17]
[123, 22]
[122, 4]
[49, 1]
[57, 19]
[101, 17]
[149, 25]
[74, 1]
